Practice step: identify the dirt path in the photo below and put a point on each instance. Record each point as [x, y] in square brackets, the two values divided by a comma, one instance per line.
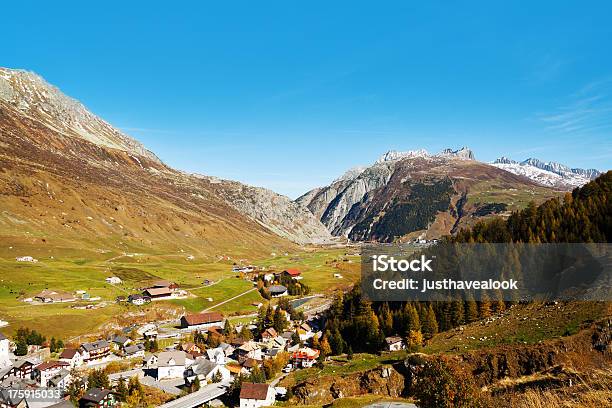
[229, 300]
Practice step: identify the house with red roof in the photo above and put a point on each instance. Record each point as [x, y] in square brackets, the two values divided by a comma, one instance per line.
[47, 370]
[293, 273]
[256, 395]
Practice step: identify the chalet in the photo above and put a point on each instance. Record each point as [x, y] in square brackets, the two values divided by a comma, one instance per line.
[46, 371]
[71, 356]
[216, 355]
[134, 350]
[305, 332]
[190, 348]
[22, 369]
[62, 380]
[157, 293]
[250, 349]
[276, 343]
[171, 364]
[201, 320]
[98, 398]
[113, 280]
[395, 343]
[164, 284]
[277, 290]
[269, 333]
[292, 273]
[149, 360]
[256, 395]
[304, 357]
[96, 350]
[206, 371]
[52, 296]
[249, 364]
[138, 299]
[119, 342]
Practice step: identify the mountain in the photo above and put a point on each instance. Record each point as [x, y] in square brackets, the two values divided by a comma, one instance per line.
[409, 194]
[548, 173]
[71, 180]
[392, 155]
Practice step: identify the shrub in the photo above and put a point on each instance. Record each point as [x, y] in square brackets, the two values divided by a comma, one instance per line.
[442, 383]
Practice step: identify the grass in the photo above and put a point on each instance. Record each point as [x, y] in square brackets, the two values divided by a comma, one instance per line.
[523, 324]
[71, 270]
[339, 366]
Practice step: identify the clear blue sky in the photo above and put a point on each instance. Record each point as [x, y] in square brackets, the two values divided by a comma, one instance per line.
[288, 95]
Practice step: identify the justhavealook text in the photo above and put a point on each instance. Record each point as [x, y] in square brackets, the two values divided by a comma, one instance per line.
[386, 263]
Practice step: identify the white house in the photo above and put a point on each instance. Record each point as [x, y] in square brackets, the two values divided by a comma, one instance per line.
[250, 349]
[5, 361]
[395, 343]
[113, 280]
[206, 370]
[172, 364]
[149, 360]
[256, 395]
[216, 355]
[46, 371]
[277, 290]
[134, 350]
[71, 356]
[62, 380]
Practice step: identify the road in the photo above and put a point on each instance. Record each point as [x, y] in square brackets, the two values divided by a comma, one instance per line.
[203, 395]
[229, 300]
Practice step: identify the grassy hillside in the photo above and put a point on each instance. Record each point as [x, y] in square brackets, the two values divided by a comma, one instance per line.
[87, 270]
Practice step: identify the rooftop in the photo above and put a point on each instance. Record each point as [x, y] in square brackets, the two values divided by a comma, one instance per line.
[254, 391]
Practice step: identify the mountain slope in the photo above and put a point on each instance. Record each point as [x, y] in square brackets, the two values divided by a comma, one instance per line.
[69, 179]
[403, 194]
[548, 173]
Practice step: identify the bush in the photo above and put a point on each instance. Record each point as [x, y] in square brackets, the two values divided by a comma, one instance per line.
[442, 383]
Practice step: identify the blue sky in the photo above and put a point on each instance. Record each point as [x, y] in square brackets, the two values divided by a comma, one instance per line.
[288, 95]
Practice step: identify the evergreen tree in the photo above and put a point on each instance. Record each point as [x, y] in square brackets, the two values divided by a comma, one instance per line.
[471, 311]
[279, 322]
[430, 325]
[349, 353]
[457, 313]
[121, 390]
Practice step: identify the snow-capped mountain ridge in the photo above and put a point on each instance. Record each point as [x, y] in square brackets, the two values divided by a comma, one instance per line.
[392, 155]
[550, 173]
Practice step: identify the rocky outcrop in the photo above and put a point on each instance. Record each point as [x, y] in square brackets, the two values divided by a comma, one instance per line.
[275, 212]
[384, 381]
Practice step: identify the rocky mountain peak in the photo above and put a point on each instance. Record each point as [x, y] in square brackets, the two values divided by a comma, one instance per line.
[464, 153]
[393, 155]
[504, 160]
[35, 98]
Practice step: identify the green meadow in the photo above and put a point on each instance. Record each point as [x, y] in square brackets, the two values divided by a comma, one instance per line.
[86, 271]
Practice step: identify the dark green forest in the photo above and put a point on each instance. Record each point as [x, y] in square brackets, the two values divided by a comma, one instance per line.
[584, 215]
